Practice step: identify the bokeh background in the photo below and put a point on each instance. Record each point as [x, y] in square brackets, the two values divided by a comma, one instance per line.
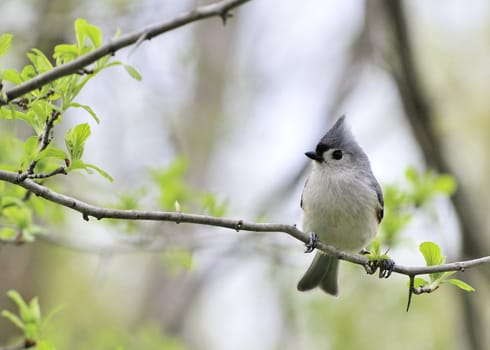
[241, 104]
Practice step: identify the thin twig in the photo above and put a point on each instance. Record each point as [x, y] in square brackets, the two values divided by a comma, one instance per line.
[21, 177]
[60, 170]
[45, 140]
[220, 9]
[88, 210]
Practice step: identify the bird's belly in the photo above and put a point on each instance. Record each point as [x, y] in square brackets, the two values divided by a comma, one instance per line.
[342, 213]
[350, 229]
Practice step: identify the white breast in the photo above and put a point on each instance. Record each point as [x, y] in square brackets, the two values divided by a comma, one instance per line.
[342, 213]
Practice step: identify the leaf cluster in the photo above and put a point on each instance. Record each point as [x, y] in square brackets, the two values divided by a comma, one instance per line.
[433, 256]
[403, 202]
[401, 205]
[174, 193]
[29, 320]
[42, 109]
[39, 156]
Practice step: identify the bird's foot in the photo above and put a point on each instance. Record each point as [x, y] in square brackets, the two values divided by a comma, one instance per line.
[311, 245]
[383, 262]
[385, 265]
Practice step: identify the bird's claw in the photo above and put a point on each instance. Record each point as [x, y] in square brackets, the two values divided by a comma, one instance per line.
[385, 265]
[311, 245]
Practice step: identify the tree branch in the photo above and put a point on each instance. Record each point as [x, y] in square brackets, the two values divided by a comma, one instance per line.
[220, 9]
[88, 210]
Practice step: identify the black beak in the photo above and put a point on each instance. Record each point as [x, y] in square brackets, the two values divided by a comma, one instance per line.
[315, 156]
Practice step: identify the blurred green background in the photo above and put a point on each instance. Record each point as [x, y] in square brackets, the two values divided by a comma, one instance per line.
[237, 106]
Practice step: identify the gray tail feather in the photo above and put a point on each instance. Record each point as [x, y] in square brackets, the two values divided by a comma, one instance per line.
[321, 273]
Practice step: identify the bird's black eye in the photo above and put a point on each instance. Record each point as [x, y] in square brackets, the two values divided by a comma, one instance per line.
[337, 154]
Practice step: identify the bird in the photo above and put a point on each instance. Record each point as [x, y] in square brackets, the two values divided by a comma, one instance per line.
[342, 203]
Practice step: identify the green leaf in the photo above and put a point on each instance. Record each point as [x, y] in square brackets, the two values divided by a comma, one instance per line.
[12, 76]
[84, 30]
[44, 345]
[132, 72]
[9, 201]
[13, 318]
[64, 53]
[31, 331]
[21, 217]
[35, 310]
[460, 284]
[426, 185]
[85, 107]
[399, 213]
[30, 315]
[79, 164]
[433, 256]
[5, 41]
[94, 34]
[29, 233]
[39, 60]
[8, 112]
[448, 274]
[30, 150]
[75, 140]
[21, 304]
[419, 282]
[28, 72]
[36, 117]
[7, 233]
[412, 174]
[212, 205]
[70, 87]
[171, 184]
[80, 32]
[52, 152]
[375, 249]
[32, 119]
[100, 171]
[30, 146]
[445, 184]
[432, 253]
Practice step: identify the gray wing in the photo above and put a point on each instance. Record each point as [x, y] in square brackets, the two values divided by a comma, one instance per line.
[381, 202]
[301, 201]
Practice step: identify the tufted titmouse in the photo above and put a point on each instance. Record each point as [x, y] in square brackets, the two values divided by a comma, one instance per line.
[342, 203]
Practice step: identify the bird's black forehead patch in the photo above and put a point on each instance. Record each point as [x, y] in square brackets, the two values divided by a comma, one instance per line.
[322, 148]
